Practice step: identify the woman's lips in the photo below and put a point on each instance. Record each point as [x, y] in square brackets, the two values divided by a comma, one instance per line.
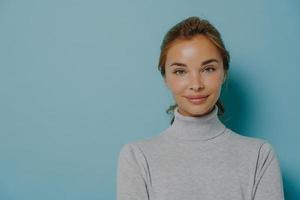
[196, 99]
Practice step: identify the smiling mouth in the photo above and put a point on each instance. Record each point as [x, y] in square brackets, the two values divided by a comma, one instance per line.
[197, 100]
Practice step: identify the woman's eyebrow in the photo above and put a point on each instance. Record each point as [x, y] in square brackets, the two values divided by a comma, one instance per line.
[178, 64]
[209, 61]
[203, 63]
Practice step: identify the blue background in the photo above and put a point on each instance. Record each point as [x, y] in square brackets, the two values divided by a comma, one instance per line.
[78, 79]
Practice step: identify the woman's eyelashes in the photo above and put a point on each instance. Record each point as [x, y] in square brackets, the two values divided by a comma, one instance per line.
[210, 69]
[183, 71]
[179, 71]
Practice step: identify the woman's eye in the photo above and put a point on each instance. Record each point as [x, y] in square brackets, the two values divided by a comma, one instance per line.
[210, 69]
[179, 72]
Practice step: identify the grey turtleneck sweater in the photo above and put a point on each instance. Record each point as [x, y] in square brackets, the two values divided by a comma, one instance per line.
[198, 158]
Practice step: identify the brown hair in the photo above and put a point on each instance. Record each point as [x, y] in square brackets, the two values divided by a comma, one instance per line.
[187, 29]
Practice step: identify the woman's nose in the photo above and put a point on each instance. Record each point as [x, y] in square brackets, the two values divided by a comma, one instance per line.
[196, 82]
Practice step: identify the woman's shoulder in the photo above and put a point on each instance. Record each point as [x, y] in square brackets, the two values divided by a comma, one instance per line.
[249, 143]
[144, 143]
[149, 142]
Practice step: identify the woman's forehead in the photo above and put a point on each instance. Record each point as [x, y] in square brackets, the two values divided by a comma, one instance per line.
[199, 48]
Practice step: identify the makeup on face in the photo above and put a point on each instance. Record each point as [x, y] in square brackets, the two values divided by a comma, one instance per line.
[194, 74]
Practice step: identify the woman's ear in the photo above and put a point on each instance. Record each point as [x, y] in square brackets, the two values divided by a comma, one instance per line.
[165, 82]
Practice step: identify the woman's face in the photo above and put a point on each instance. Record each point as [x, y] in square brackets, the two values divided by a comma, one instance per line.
[194, 73]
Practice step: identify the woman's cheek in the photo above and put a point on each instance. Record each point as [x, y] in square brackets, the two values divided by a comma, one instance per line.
[178, 85]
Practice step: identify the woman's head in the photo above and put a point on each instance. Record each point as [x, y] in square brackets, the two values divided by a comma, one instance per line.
[194, 63]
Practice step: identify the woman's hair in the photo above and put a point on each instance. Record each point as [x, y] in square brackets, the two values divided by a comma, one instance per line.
[185, 30]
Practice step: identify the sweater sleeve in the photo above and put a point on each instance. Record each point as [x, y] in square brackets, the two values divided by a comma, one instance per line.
[131, 180]
[268, 181]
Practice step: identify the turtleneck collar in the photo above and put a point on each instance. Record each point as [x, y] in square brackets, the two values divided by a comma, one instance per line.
[203, 127]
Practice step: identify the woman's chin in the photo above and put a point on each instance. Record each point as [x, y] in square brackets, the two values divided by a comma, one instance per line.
[194, 110]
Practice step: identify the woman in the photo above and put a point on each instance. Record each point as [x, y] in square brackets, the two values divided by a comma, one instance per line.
[197, 157]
